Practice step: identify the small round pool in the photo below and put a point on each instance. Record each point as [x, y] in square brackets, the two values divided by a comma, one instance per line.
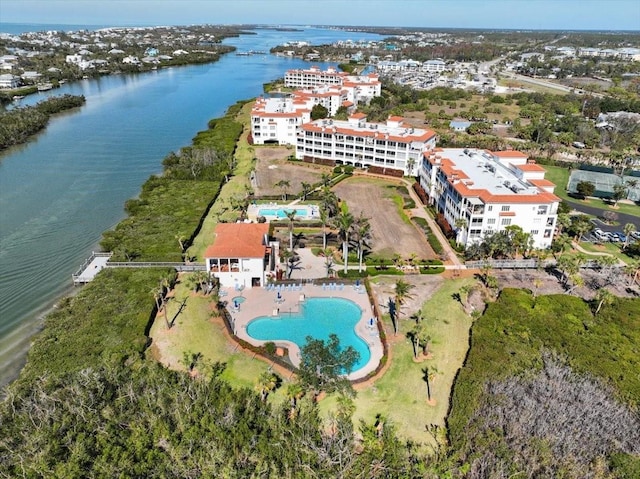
[239, 299]
[318, 318]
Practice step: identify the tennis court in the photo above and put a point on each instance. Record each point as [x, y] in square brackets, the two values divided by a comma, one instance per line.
[604, 183]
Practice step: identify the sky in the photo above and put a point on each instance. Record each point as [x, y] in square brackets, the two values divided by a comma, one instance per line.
[502, 14]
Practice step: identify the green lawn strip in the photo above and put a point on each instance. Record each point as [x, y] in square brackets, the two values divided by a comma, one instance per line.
[613, 249]
[194, 332]
[401, 394]
[508, 339]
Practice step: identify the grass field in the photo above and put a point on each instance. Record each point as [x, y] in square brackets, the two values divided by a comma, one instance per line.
[400, 394]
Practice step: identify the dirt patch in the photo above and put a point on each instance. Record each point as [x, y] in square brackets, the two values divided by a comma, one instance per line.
[547, 283]
[273, 166]
[389, 232]
[425, 286]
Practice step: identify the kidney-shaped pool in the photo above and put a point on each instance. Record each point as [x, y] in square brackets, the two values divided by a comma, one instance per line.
[318, 318]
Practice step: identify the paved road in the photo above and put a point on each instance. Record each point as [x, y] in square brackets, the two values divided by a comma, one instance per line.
[623, 219]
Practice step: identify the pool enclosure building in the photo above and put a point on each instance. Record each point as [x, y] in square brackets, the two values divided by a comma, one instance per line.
[241, 254]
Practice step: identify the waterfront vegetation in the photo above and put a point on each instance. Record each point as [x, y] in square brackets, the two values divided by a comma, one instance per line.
[163, 222]
[93, 400]
[19, 124]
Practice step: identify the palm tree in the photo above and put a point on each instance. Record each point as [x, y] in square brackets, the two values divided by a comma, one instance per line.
[627, 230]
[420, 338]
[267, 382]
[324, 219]
[631, 185]
[603, 296]
[460, 225]
[325, 178]
[344, 223]
[328, 262]
[403, 293]
[198, 279]
[362, 230]
[294, 392]
[329, 201]
[284, 186]
[291, 216]
[411, 163]
[306, 188]
[632, 269]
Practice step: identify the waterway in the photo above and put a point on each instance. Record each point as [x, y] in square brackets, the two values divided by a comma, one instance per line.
[59, 192]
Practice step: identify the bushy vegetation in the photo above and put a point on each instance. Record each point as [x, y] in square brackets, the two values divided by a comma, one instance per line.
[105, 322]
[167, 216]
[18, 124]
[506, 363]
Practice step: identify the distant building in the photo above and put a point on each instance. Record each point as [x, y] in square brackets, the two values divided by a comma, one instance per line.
[276, 120]
[9, 81]
[459, 125]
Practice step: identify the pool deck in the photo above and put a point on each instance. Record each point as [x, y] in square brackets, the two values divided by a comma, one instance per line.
[263, 302]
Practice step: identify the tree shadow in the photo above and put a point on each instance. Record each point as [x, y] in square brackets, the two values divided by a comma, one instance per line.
[182, 306]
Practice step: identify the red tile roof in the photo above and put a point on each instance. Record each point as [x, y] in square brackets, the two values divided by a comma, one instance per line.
[238, 240]
[509, 154]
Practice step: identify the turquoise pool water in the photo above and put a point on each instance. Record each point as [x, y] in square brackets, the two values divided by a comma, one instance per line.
[282, 212]
[318, 318]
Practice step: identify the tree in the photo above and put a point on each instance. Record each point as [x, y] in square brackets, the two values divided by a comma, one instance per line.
[318, 112]
[291, 216]
[604, 296]
[411, 163]
[328, 262]
[294, 392]
[402, 294]
[284, 186]
[306, 188]
[619, 192]
[267, 382]
[632, 269]
[324, 219]
[420, 338]
[627, 230]
[344, 221]
[362, 232]
[460, 225]
[585, 188]
[198, 280]
[631, 185]
[324, 365]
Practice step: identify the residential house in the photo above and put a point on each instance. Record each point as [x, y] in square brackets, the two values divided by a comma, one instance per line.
[242, 255]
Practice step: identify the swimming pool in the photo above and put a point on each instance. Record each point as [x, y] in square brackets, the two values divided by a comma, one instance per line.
[282, 212]
[318, 318]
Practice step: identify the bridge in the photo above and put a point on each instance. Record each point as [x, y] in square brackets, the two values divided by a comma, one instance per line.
[98, 261]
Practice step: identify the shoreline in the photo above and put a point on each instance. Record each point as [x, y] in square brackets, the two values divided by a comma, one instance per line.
[14, 354]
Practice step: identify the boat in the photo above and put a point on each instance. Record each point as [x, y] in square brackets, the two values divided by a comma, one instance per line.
[45, 87]
[17, 97]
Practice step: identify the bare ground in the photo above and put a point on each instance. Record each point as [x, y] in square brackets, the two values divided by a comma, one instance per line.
[390, 234]
[273, 166]
[550, 284]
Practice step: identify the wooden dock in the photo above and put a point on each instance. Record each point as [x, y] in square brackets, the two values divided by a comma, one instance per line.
[97, 261]
[90, 268]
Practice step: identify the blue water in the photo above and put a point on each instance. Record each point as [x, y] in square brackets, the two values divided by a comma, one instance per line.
[318, 318]
[282, 212]
[60, 191]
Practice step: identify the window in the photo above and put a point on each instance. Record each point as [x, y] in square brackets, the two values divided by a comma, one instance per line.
[490, 208]
[505, 221]
[547, 233]
[550, 221]
[542, 210]
[491, 221]
[506, 208]
[534, 232]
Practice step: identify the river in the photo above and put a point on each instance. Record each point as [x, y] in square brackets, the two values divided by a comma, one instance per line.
[60, 191]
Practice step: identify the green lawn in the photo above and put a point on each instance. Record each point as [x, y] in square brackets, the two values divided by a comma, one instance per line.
[194, 331]
[560, 176]
[401, 394]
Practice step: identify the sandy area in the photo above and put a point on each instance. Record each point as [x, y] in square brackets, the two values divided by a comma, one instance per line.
[390, 234]
[272, 166]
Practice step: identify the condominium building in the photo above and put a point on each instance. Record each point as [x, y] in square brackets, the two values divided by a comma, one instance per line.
[360, 88]
[391, 148]
[276, 120]
[481, 192]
